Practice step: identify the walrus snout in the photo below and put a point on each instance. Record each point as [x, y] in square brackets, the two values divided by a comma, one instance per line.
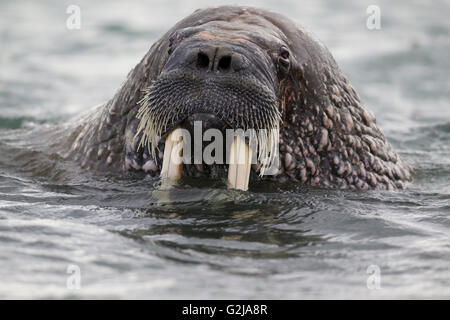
[219, 59]
[217, 85]
[213, 59]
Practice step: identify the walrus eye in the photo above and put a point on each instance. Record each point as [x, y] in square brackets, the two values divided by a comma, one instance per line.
[172, 41]
[284, 53]
[170, 49]
[283, 61]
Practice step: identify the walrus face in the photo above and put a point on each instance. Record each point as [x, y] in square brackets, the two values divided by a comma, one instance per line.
[225, 82]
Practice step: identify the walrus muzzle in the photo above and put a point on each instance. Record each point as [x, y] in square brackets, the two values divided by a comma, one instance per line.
[237, 99]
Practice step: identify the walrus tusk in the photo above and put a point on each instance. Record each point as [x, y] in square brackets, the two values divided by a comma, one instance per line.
[172, 166]
[239, 164]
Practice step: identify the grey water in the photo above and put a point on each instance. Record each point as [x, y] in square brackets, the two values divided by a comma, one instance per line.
[125, 238]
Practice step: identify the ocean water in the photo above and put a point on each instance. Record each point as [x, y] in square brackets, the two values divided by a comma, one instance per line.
[124, 238]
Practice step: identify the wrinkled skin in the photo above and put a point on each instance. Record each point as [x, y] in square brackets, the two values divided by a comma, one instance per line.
[327, 138]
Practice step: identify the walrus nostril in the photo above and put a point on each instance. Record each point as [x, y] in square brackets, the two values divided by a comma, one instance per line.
[224, 63]
[202, 61]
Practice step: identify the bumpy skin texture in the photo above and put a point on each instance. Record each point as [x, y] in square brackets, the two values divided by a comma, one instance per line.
[327, 138]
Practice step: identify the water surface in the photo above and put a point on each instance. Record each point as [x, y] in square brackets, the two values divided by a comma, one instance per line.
[132, 240]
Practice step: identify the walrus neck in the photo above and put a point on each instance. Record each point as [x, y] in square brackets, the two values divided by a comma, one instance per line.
[98, 140]
[329, 138]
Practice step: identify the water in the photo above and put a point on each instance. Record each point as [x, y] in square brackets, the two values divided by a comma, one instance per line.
[204, 241]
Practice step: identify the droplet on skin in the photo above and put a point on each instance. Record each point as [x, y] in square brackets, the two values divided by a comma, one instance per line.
[330, 147]
[323, 140]
[372, 180]
[350, 180]
[357, 143]
[338, 118]
[114, 109]
[310, 165]
[100, 152]
[367, 117]
[279, 171]
[289, 162]
[349, 139]
[341, 169]
[303, 175]
[325, 183]
[362, 171]
[150, 166]
[372, 145]
[135, 165]
[336, 99]
[405, 174]
[399, 184]
[350, 152]
[371, 159]
[359, 183]
[335, 89]
[349, 121]
[315, 181]
[127, 164]
[349, 168]
[336, 160]
[89, 152]
[390, 174]
[330, 111]
[347, 88]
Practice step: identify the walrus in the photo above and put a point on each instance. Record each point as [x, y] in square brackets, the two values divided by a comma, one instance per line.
[235, 67]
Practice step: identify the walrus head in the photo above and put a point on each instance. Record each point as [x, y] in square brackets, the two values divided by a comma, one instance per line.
[243, 68]
[224, 76]
[219, 78]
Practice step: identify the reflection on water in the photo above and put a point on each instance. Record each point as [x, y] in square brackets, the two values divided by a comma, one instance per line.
[132, 239]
